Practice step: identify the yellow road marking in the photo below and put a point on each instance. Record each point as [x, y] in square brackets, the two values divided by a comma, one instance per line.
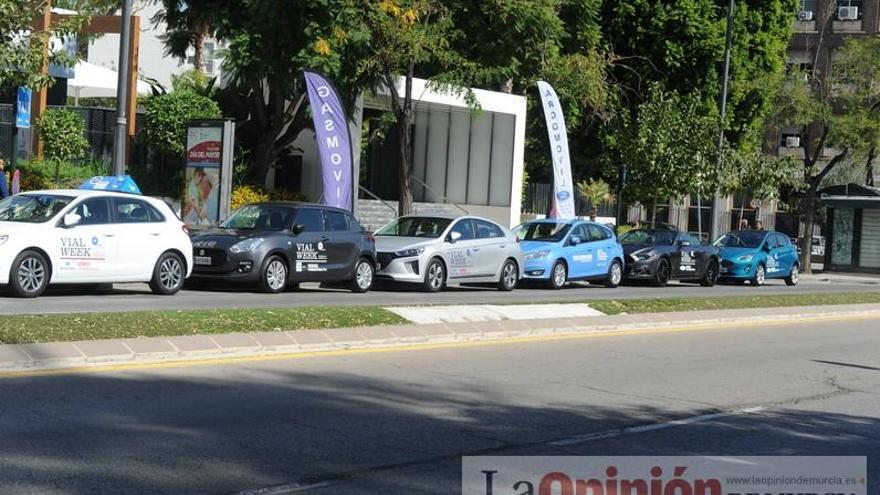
[742, 325]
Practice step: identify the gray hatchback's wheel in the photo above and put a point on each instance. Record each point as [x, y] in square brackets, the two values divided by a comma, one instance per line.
[363, 276]
[760, 276]
[509, 276]
[558, 275]
[168, 275]
[29, 274]
[273, 276]
[615, 275]
[435, 276]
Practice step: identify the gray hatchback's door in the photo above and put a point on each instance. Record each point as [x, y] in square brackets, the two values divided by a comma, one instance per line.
[341, 244]
[308, 253]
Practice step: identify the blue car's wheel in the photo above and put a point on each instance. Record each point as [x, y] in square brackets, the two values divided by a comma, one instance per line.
[558, 275]
[794, 276]
[615, 275]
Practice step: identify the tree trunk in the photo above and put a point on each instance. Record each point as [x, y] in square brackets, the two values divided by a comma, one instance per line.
[264, 157]
[809, 212]
[199, 48]
[405, 155]
[869, 166]
[594, 213]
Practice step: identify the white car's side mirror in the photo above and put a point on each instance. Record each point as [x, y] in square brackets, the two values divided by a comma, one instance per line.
[454, 236]
[71, 219]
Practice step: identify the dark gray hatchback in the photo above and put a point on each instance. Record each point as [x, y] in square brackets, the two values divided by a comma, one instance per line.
[279, 243]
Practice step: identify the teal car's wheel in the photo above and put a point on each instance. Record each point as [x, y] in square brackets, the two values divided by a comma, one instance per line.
[794, 276]
[760, 275]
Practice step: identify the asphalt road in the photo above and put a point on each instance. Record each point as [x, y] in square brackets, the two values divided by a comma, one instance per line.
[134, 297]
[398, 422]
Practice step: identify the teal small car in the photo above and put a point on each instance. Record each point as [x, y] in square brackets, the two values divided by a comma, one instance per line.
[758, 255]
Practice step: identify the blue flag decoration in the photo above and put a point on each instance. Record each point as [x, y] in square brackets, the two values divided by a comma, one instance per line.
[334, 140]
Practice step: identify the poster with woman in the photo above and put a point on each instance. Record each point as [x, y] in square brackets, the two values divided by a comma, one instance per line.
[204, 149]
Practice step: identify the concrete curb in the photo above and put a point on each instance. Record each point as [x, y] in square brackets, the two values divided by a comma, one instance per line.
[85, 354]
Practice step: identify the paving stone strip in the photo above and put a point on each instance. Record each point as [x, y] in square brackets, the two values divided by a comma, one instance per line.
[62, 355]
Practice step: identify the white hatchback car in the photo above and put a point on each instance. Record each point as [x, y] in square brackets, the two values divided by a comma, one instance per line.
[69, 236]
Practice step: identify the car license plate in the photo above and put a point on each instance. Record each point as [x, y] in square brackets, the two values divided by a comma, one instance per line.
[202, 260]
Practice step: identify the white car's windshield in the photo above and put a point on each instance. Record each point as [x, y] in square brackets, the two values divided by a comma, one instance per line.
[32, 208]
[432, 227]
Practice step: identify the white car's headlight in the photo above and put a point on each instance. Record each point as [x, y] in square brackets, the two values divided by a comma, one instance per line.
[3, 239]
[407, 253]
[745, 257]
[246, 246]
[536, 255]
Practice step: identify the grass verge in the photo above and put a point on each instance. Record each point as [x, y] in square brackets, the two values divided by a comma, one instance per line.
[657, 305]
[21, 329]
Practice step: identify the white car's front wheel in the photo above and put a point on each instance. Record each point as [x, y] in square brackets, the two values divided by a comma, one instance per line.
[509, 276]
[168, 274]
[29, 275]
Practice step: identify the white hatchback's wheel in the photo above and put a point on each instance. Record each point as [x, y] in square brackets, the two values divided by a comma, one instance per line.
[273, 276]
[363, 276]
[29, 274]
[168, 275]
[509, 276]
[435, 276]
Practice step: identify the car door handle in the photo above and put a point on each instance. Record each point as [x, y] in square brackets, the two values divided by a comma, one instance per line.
[156, 233]
[109, 235]
[325, 238]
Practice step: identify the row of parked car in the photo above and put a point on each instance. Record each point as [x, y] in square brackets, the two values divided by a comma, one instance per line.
[100, 236]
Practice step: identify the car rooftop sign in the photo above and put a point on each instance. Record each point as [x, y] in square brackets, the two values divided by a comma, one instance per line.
[115, 183]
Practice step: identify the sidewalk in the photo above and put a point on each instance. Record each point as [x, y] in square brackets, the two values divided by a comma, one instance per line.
[842, 278]
[54, 356]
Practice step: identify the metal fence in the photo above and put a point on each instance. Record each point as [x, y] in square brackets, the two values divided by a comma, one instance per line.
[538, 199]
[99, 124]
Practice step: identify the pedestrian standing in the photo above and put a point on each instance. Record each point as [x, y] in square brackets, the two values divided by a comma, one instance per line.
[743, 224]
[4, 189]
[759, 225]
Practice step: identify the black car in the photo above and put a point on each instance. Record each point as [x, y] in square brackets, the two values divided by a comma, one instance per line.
[661, 255]
[280, 243]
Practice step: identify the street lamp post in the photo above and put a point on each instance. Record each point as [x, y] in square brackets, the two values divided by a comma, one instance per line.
[121, 133]
[716, 202]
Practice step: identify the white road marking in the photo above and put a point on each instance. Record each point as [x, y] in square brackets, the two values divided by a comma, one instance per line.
[284, 489]
[589, 437]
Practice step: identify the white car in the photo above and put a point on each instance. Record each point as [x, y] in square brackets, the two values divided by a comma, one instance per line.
[80, 237]
[434, 251]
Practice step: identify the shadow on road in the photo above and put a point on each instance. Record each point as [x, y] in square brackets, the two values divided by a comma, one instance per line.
[152, 433]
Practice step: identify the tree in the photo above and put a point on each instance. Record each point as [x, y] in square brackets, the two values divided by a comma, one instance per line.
[668, 144]
[404, 35]
[22, 46]
[187, 25]
[837, 118]
[64, 134]
[266, 50]
[596, 192]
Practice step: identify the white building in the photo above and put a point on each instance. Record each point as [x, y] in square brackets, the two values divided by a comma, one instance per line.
[152, 61]
[463, 159]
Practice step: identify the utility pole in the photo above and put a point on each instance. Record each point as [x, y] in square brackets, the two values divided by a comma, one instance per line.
[716, 202]
[120, 139]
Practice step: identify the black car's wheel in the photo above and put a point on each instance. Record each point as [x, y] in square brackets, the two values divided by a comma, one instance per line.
[711, 276]
[29, 274]
[273, 275]
[362, 279]
[794, 276]
[509, 276]
[662, 274]
[168, 274]
[435, 276]
[558, 275]
[760, 276]
[615, 275]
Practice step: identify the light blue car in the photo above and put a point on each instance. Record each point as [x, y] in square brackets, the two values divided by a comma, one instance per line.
[560, 251]
[758, 255]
